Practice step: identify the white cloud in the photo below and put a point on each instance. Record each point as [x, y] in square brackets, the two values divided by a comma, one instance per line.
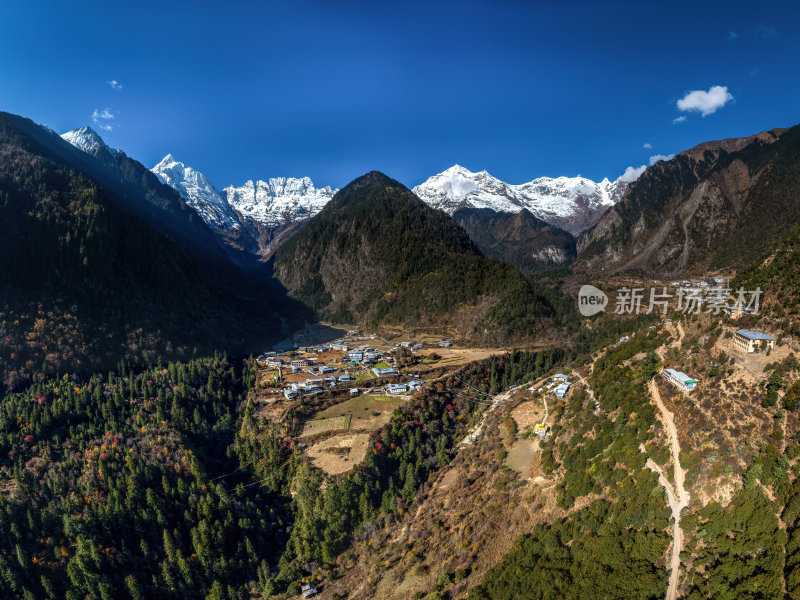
[732, 35]
[680, 119]
[632, 173]
[103, 119]
[647, 145]
[704, 102]
[657, 157]
[115, 85]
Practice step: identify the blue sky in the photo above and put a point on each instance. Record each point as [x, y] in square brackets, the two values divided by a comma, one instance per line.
[334, 89]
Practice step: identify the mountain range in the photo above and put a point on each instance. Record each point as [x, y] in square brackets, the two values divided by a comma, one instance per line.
[708, 207]
[570, 203]
[258, 216]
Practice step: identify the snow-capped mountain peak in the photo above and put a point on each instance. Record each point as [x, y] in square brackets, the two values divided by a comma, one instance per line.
[572, 203]
[198, 192]
[90, 142]
[279, 200]
[257, 215]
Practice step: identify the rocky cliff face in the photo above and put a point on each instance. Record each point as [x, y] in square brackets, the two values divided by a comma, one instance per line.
[711, 206]
[519, 239]
[274, 210]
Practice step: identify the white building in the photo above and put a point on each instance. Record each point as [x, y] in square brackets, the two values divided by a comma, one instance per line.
[562, 389]
[397, 388]
[750, 340]
[680, 380]
[383, 372]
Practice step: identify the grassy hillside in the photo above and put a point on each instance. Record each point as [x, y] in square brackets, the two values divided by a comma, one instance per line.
[378, 254]
[777, 274]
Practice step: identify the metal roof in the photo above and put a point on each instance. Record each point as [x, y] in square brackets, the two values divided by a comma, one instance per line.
[752, 334]
[681, 375]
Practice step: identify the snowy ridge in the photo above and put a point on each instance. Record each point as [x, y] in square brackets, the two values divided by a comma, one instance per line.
[198, 192]
[278, 201]
[573, 203]
[89, 141]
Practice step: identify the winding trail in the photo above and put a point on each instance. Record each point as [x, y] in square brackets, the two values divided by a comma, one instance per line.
[589, 390]
[677, 496]
[496, 401]
[546, 411]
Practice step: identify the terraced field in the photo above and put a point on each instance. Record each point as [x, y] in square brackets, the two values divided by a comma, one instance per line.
[366, 412]
[317, 426]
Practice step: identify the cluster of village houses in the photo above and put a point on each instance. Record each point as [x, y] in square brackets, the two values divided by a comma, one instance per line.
[715, 294]
[327, 376]
[558, 386]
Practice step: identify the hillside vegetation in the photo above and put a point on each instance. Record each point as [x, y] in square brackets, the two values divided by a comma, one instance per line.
[520, 239]
[85, 283]
[777, 274]
[165, 483]
[378, 254]
[713, 206]
[111, 489]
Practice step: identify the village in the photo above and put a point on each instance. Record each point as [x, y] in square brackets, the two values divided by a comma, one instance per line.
[330, 396]
[343, 364]
[346, 388]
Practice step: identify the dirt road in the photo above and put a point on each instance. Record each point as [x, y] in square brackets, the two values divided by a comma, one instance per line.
[677, 497]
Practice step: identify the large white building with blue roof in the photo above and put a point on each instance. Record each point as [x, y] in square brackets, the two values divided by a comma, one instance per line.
[750, 340]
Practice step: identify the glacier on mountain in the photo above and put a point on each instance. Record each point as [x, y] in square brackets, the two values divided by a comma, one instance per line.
[279, 200]
[572, 203]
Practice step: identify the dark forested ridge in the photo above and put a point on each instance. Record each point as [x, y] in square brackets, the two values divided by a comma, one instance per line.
[520, 239]
[378, 254]
[127, 183]
[85, 282]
